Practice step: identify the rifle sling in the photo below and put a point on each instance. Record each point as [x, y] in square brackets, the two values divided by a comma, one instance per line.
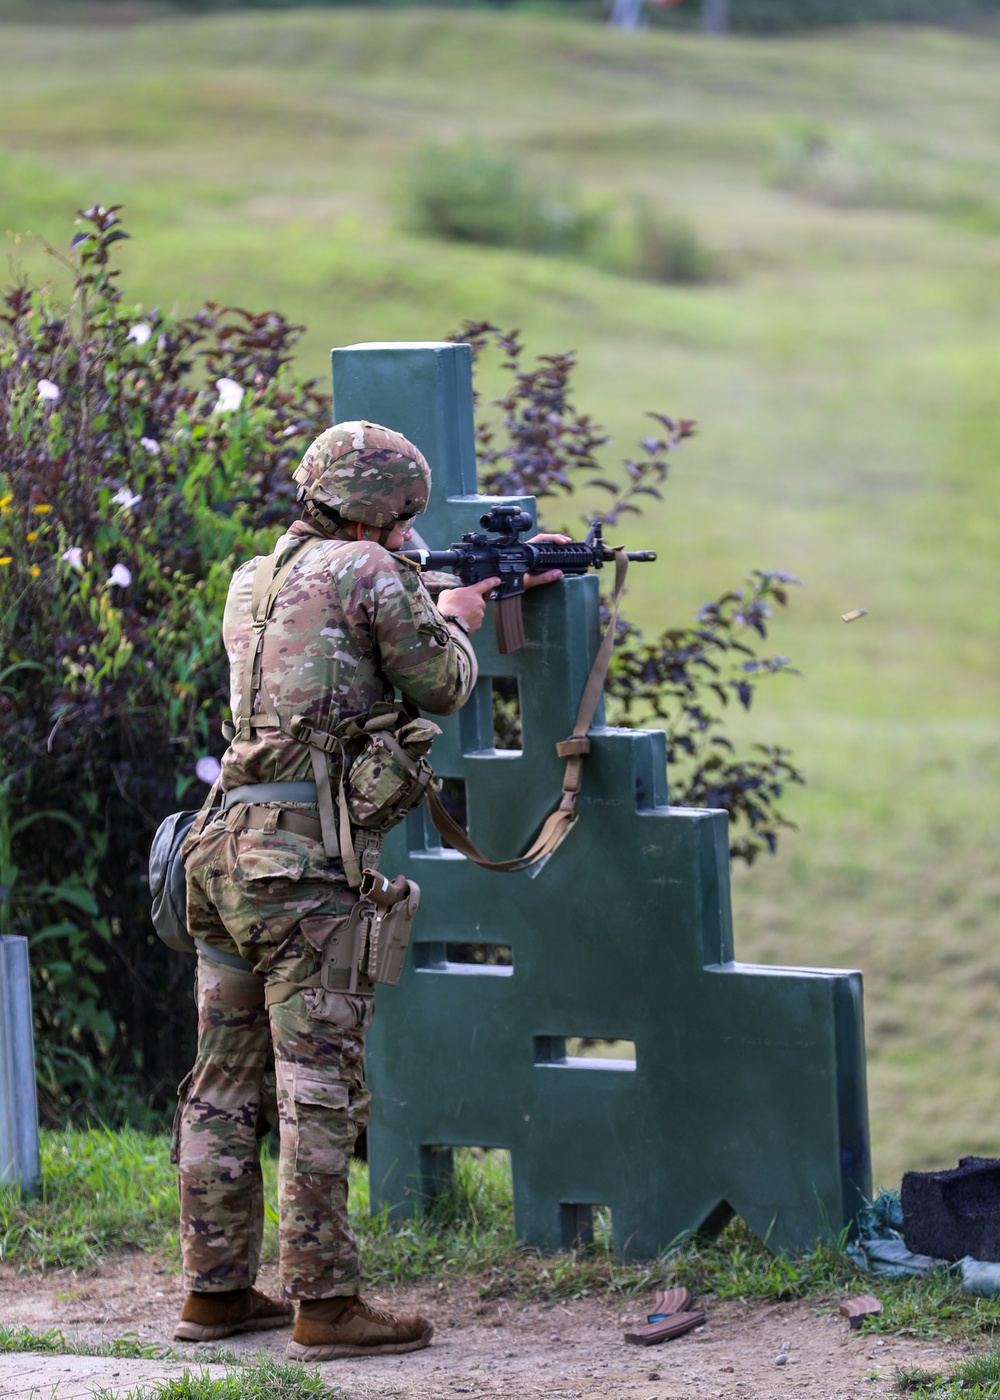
[266, 584]
[557, 824]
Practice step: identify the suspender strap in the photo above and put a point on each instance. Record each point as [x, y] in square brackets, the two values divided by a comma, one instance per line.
[327, 816]
[201, 820]
[335, 825]
[267, 582]
[337, 838]
[558, 822]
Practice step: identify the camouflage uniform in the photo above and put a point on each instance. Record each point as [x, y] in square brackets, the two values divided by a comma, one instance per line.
[350, 624]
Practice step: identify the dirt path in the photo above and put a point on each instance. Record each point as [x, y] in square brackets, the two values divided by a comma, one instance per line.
[567, 1351]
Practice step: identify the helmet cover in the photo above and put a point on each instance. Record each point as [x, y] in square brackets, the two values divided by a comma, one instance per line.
[364, 472]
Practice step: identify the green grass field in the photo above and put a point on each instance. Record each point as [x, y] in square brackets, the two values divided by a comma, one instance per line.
[844, 372]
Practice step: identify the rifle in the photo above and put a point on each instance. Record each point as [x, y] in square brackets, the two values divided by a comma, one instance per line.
[502, 554]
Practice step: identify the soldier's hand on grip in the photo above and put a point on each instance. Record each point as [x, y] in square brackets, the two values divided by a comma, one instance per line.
[469, 603]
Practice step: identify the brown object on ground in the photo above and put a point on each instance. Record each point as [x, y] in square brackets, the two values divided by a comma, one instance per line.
[329, 1328]
[857, 1309]
[207, 1317]
[674, 1326]
[670, 1301]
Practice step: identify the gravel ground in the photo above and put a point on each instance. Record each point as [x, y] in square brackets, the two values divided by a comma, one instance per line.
[482, 1348]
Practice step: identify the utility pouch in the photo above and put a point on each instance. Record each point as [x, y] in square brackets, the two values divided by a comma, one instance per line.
[390, 776]
[391, 908]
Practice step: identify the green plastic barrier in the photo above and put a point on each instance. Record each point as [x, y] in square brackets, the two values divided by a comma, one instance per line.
[747, 1091]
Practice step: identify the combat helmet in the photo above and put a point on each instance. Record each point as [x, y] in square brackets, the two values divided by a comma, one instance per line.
[361, 471]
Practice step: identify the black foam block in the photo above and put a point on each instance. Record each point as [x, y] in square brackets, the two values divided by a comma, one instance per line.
[950, 1214]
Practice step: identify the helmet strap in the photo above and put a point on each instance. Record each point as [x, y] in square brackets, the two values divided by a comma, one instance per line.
[328, 522]
[374, 532]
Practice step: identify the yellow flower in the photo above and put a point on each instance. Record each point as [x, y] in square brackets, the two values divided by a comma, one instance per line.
[34, 571]
[31, 536]
[6, 559]
[41, 510]
[5, 503]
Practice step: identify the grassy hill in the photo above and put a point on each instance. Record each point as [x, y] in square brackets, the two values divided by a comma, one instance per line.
[844, 371]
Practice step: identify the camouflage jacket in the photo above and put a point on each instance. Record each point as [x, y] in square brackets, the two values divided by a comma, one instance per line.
[350, 625]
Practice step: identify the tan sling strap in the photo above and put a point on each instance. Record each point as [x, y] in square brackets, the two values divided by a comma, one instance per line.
[558, 822]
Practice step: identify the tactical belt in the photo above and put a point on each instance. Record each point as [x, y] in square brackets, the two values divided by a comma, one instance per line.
[258, 799]
[260, 816]
[302, 825]
[270, 792]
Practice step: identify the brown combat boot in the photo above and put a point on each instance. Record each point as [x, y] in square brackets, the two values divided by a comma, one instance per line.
[327, 1328]
[206, 1317]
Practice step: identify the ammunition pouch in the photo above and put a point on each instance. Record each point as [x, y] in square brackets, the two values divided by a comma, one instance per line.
[379, 758]
[390, 775]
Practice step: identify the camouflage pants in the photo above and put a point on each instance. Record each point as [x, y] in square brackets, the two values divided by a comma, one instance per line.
[277, 899]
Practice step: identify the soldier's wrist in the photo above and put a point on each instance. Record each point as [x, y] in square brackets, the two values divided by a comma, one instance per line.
[458, 622]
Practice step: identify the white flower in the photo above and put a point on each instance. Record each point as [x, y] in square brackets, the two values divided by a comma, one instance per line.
[124, 497]
[121, 576]
[140, 333]
[74, 558]
[150, 444]
[208, 769]
[48, 391]
[230, 395]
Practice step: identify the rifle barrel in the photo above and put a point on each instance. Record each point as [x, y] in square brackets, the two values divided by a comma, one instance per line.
[574, 557]
[431, 558]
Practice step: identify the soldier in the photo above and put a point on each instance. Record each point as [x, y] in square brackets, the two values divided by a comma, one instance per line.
[269, 884]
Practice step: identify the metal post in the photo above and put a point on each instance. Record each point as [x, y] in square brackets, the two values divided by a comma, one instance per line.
[627, 14]
[19, 1153]
[715, 16]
